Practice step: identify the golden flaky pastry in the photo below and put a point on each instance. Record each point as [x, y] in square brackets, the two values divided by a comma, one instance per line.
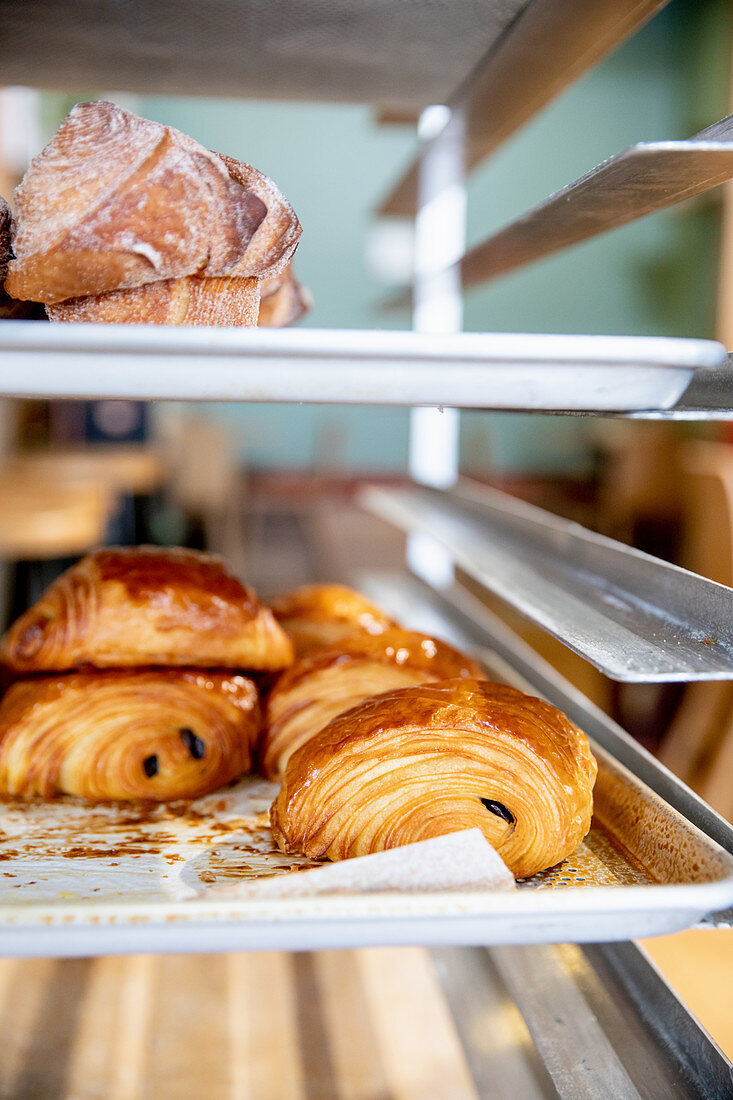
[283, 300]
[146, 606]
[5, 252]
[337, 677]
[192, 300]
[436, 759]
[10, 308]
[116, 201]
[321, 614]
[152, 735]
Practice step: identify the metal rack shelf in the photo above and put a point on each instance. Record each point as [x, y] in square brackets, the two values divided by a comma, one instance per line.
[647, 177]
[634, 617]
[549, 45]
[330, 50]
[469, 370]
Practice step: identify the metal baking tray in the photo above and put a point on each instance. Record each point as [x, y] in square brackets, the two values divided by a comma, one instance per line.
[466, 370]
[82, 880]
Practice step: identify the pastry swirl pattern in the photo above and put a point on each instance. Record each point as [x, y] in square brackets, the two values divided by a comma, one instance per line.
[147, 735]
[421, 762]
[334, 678]
[317, 615]
[145, 606]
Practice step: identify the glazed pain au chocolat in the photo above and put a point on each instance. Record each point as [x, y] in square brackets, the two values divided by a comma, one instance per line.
[119, 713]
[337, 677]
[143, 735]
[321, 614]
[424, 761]
[118, 608]
[120, 219]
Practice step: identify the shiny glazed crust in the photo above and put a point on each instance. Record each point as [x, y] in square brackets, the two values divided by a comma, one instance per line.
[331, 680]
[321, 614]
[191, 300]
[143, 735]
[145, 606]
[116, 201]
[416, 763]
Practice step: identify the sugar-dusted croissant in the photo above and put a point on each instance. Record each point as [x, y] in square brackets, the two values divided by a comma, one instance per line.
[283, 300]
[191, 300]
[10, 308]
[275, 240]
[320, 614]
[330, 680]
[117, 201]
[146, 606]
[157, 735]
[436, 759]
[5, 250]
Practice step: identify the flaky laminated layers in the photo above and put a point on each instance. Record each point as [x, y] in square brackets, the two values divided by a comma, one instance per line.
[192, 300]
[426, 761]
[116, 201]
[283, 300]
[321, 614]
[146, 606]
[335, 678]
[276, 238]
[5, 251]
[142, 735]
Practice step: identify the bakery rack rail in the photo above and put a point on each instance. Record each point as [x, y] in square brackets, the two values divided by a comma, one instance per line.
[647, 177]
[635, 617]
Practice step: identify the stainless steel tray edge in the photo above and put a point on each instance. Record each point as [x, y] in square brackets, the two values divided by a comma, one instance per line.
[469, 370]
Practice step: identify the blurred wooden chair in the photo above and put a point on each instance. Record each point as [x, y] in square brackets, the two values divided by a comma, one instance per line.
[206, 480]
[699, 743]
[638, 488]
[131, 473]
[130, 468]
[44, 525]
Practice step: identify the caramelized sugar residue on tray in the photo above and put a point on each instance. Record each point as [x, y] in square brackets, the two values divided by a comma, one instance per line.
[68, 851]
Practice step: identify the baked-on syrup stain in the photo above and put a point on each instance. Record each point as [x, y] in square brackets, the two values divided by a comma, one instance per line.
[150, 766]
[499, 809]
[194, 744]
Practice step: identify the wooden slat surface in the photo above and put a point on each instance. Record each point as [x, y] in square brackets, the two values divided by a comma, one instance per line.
[348, 1025]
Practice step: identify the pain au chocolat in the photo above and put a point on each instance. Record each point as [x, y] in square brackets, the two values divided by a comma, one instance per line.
[333, 679]
[321, 614]
[435, 759]
[151, 735]
[147, 606]
[120, 219]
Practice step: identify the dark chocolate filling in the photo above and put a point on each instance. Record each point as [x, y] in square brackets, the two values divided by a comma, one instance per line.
[150, 766]
[194, 744]
[499, 809]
